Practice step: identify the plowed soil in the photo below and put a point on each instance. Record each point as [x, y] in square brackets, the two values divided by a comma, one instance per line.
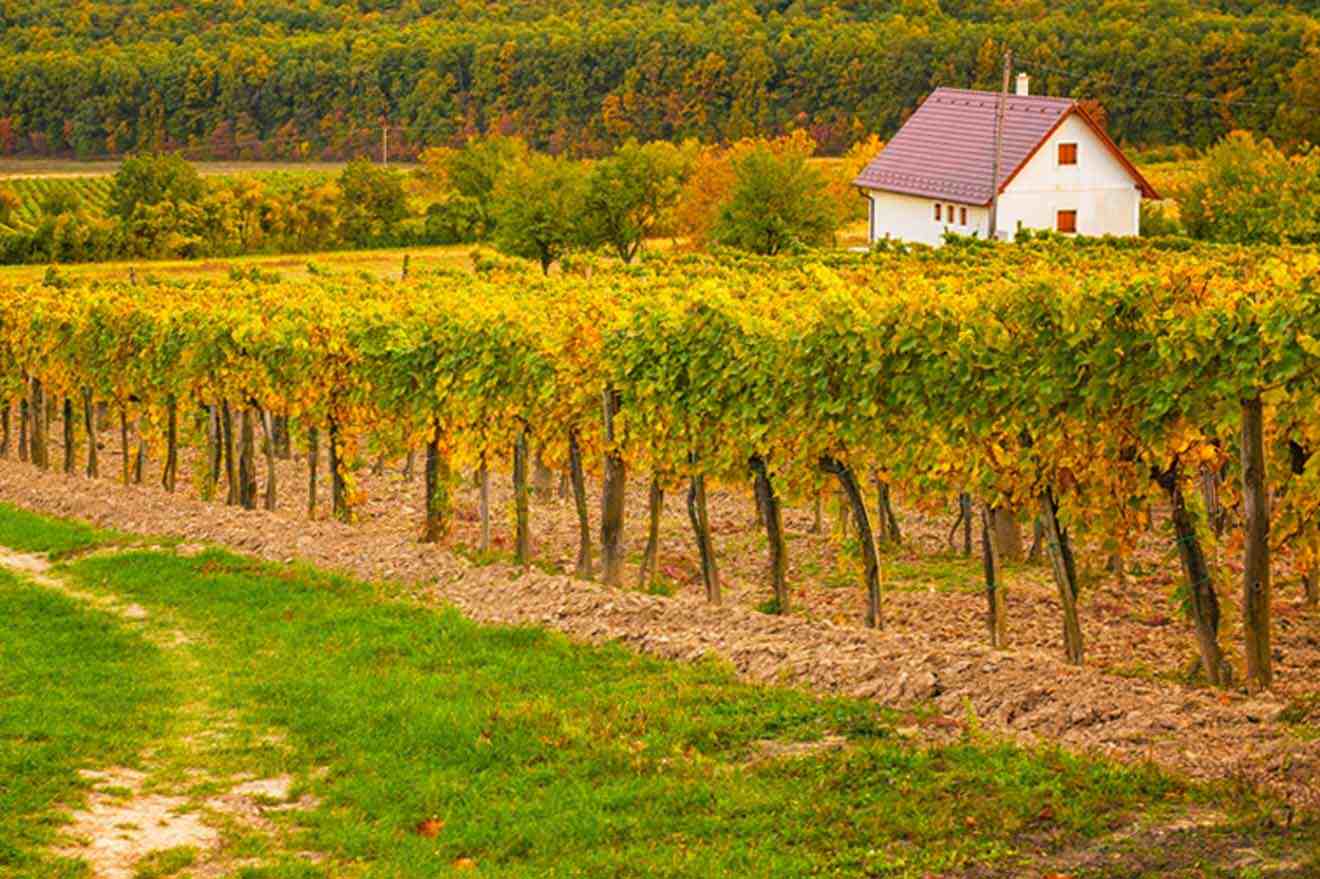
[1132, 700]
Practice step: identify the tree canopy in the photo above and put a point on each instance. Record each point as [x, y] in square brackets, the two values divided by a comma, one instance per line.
[300, 79]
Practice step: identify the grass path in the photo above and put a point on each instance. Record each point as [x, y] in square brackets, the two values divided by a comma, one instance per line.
[315, 726]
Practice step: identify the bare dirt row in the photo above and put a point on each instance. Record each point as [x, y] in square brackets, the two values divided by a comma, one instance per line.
[1127, 702]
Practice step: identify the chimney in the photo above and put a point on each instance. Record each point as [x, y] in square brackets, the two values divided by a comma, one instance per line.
[1023, 84]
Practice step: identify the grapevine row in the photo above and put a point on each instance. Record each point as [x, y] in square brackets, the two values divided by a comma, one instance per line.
[1079, 384]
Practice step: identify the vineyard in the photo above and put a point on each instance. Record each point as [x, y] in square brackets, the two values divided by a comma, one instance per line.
[1116, 395]
[34, 193]
[91, 192]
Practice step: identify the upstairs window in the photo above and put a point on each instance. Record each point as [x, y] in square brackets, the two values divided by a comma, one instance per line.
[1066, 222]
[1067, 154]
[938, 209]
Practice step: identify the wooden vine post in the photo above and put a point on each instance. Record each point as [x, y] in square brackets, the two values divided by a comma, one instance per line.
[268, 451]
[996, 618]
[70, 446]
[523, 536]
[612, 496]
[1059, 548]
[655, 506]
[1256, 560]
[700, 519]
[168, 474]
[870, 557]
[89, 429]
[437, 489]
[1204, 601]
[773, 520]
[583, 570]
[313, 464]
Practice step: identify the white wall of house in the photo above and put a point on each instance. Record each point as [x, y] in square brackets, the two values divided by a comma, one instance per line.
[1098, 188]
[912, 218]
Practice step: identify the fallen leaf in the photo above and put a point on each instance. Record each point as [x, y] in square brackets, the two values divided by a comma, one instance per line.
[430, 828]
[464, 864]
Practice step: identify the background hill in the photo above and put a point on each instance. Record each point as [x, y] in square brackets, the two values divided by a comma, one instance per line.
[281, 79]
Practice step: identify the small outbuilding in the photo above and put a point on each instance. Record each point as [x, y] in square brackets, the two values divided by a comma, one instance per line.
[1059, 170]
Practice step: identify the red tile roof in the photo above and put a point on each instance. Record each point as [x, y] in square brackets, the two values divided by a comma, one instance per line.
[946, 149]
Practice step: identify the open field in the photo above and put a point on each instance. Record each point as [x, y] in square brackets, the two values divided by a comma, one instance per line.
[290, 723]
[11, 168]
[380, 263]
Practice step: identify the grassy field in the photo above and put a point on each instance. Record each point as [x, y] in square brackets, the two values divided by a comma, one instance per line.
[418, 744]
[382, 263]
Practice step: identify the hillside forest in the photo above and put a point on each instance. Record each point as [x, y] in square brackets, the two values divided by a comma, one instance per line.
[337, 79]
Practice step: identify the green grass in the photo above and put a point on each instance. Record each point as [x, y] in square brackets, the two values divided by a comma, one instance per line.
[28, 532]
[540, 757]
[76, 691]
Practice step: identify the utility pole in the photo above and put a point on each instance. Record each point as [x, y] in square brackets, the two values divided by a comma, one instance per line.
[999, 145]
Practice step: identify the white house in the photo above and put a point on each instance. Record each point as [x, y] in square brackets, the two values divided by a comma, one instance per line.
[1058, 170]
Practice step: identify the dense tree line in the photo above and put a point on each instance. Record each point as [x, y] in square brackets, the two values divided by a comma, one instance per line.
[758, 195]
[297, 79]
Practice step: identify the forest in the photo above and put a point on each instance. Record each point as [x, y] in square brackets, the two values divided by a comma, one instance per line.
[294, 79]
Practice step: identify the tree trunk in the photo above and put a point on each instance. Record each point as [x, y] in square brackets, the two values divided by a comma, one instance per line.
[771, 512]
[579, 482]
[268, 447]
[437, 490]
[409, 465]
[169, 472]
[870, 559]
[1008, 534]
[338, 487]
[1059, 549]
[140, 455]
[483, 486]
[313, 464]
[646, 577]
[70, 445]
[815, 512]
[247, 460]
[89, 427]
[965, 505]
[522, 535]
[697, 515]
[1256, 560]
[40, 435]
[283, 444]
[231, 470]
[24, 422]
[888, 524]
[612, 497]
[994, 581]
[1205, 604]
[5, 415]
[125, 472]
[214, 455]
[1216, 515]
[1312, 587]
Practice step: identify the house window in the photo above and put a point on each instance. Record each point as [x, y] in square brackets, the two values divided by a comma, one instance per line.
[1067, 154]
[951, 215]
[962, 216]
[938, 208]
[1067, 222]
